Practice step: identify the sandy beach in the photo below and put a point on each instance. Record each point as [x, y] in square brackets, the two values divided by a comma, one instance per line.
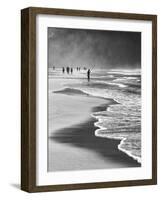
[72, 143]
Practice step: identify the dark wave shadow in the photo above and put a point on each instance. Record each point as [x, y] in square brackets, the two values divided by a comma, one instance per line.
[82, 135]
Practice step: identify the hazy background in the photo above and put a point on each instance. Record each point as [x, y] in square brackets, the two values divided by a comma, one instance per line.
[93, 48]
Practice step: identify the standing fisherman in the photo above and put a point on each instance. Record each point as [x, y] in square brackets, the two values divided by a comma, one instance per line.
[88, 74]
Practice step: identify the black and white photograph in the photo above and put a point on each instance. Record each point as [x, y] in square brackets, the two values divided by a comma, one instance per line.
[94, 99]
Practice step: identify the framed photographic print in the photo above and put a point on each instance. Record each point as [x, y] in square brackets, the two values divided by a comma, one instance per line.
[88, 99]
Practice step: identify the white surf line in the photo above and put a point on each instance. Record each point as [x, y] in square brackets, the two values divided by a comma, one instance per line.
[138, 159]
[118, 84]
[113, 83]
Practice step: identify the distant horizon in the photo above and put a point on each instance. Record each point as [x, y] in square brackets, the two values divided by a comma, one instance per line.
[105, 68]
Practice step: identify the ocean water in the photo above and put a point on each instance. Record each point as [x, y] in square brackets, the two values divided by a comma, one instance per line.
[120, 121]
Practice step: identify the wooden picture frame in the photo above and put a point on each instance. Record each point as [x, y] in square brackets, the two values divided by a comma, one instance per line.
[28, 98]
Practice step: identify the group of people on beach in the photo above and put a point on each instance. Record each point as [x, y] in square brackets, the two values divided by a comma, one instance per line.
[69, 70]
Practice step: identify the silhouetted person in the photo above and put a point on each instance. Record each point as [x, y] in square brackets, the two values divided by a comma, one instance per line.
[67, 69]
[88, 74]
[53, 67]
[71, 70]
[63, 70]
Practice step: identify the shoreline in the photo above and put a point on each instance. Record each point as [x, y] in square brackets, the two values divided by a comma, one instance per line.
[122, 139]
[81, 149]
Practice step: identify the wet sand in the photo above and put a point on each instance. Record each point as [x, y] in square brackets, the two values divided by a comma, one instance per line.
[72, 143]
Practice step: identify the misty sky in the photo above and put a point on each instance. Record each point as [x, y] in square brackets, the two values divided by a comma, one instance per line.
[93, 48]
